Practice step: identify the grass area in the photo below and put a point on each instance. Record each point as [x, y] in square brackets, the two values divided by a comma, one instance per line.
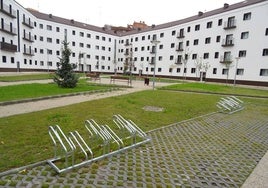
[216, 88]
[24, 91]
[24, 138]
[15, 78]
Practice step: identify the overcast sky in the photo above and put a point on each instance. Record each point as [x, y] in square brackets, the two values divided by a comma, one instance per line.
[123, 12]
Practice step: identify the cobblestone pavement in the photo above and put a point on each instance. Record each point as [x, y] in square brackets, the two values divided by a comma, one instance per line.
[217, 150]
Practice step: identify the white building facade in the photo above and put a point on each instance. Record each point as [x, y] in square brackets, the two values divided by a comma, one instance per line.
[226, 44]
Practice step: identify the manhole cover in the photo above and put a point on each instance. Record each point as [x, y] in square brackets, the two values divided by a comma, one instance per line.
[153, 108]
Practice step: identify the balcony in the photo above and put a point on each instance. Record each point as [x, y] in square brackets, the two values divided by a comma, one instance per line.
[152, 51]
[228, 42]
[8, 47]
[8, 29]
[230, 24]
[28, 23]
[179, 48]
[28, 51]
[178, 61]
[28, 37]
[127, 44]
[180, 35]
[8, 11]
[226, 59]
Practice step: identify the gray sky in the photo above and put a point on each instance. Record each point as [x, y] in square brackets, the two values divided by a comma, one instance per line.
[123, 12]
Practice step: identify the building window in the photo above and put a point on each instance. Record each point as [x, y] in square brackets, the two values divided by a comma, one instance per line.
[49, 27]
[173, 33]
[81, 34]
[73, 54]
[247, 16]
[194, 56]
[209, 24]
[193, 70]
[244, 35]
[214, 71]
[103, 38]
[264, 72]
[206, 55]
[103, 48]
[88, 35]
[25, 61]
[240, 72]
[58, 52]
[178, 70]
[197, 27]
[12, 60]
[73, 43]
[49, 40]
[73, 32]
[218, 38]
[41, 51]
[207, 40]
[225, 71]
[97, 37]
[41, 63]
[161, 46]
[171, 57]
[81, 45]
[242, 53]
[57, 41]
[219, 22]
[41, 26]
[188, 29]
[88, 46]
[172, 45]
[196, 42]
[170, 70]
[187, 43]
[57, 29]
[216, 55]
[161, 35]
[159, 69]
[143, 38]
[265, 52]
[266, 32]
[4, 59]
[41, 38]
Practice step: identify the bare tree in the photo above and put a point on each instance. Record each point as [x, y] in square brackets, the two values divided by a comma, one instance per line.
[185, 57]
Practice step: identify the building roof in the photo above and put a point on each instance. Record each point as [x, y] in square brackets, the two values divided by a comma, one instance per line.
[226, 7]
[71, 22]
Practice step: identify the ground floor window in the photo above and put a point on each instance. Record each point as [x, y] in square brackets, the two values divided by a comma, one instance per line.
[240, 72]
[264, 72]
[4, 59]
[225, 71]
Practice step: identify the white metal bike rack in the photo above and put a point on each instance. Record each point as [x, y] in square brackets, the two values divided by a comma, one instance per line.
[68, 147]
[230, 105]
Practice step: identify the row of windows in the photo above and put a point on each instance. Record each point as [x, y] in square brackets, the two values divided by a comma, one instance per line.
[194, 56]
[263, 72]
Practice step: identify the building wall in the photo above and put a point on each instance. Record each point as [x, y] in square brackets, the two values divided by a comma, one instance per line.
[39, 42]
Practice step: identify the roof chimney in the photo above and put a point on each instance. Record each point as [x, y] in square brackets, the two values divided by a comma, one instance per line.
[72, 21]
[50, 15]
[226, 5]
[200, 13]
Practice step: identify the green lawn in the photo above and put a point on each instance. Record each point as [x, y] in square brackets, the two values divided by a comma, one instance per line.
[217, 88]
[24, 91]
[15, 78]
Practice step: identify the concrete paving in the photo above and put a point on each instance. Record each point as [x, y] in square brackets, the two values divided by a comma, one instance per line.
[217, 150]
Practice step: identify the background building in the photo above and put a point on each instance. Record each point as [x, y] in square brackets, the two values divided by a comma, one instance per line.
[229, 43]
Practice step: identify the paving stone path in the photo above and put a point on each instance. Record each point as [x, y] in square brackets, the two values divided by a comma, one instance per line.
[217, 150]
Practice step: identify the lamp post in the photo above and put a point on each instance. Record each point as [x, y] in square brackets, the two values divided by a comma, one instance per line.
[236, 63]
[155, 43]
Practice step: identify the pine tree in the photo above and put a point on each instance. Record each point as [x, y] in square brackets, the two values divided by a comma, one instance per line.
[65, 75]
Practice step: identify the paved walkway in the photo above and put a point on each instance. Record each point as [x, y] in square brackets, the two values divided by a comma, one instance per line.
[20, 108]
[216, 150]
[211, 151]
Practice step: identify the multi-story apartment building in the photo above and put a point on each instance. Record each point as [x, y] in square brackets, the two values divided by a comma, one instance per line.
[227, 43]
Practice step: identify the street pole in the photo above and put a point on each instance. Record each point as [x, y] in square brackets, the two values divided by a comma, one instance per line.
[236, 63]
[155, 42]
